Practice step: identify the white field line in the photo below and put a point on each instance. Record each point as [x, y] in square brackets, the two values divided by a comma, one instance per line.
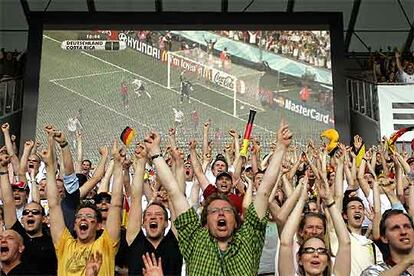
[156, 83]
[88, 75]
[101, 104]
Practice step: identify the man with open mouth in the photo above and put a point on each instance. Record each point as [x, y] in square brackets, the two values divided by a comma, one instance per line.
[11, 250]
[220, 245]
[38, 245]
[397, 231]
[74, 253]
[146, 230]
[364, 251]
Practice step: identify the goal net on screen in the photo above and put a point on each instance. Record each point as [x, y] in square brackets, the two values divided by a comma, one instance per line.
[214, 74]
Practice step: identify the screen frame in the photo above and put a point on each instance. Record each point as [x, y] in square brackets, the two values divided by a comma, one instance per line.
[39, 21]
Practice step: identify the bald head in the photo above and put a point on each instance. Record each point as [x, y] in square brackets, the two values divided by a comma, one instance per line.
[11, 247]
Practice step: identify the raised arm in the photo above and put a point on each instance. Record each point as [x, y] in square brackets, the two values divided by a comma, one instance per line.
[97, 174]
[135, 212]
[14, 160]
[104, 185]
[255, 155]
[363, 183]
[206, 129]
[9, 207]
[79, 152]
[171, 137]
[27, 149]
[287, 207]
[179, 202]
[178, 158]
[284, 137]
[198, 170]
[342, 264]
[286, 265]
[236, 142]
[57, 222]
[66, 154]
[113, 222]
[398, 61]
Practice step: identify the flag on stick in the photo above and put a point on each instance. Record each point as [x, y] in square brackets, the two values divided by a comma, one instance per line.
[247, 133]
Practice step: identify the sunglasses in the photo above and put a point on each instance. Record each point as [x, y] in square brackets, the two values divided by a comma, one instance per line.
[34, 212]
[311, 250]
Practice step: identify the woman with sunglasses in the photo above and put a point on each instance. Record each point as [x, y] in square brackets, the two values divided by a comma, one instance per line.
[313, 256]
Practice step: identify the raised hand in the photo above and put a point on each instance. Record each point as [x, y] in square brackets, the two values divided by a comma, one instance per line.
[28, 145]
[59, 137]
[233, 133]
[5, 127]
[94, 264]
[357, 142]
[104, 151]
[152, 267]
[192, 144]
[171, 131]
[284, 135]
[152, 143]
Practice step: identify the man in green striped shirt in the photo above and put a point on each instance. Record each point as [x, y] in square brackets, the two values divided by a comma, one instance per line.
[220, 244]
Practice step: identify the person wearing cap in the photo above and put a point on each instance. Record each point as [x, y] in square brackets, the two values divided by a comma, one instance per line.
[397, 232]
[220, 244]
[21, 193]
[224, 181]
[73, 253]
[364, 251]
[38, 244]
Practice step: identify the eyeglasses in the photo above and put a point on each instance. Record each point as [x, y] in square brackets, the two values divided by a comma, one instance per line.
[214, 211]
[311, 250]
[87, 216]
[34, 212]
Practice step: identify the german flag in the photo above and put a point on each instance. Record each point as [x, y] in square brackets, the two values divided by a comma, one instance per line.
[127, 135]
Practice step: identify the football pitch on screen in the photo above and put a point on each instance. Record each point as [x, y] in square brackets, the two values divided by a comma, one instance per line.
[91, 82]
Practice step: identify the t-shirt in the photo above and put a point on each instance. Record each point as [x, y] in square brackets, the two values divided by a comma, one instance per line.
[406, 78]
[20, 269]
[72, 255]
[37, 252]
[168, 250]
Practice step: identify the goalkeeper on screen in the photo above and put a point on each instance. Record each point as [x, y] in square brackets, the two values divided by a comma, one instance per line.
[140, 88]
[185, 88]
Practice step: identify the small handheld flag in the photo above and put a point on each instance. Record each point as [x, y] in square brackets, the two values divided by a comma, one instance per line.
[247, 133]
[127, 135]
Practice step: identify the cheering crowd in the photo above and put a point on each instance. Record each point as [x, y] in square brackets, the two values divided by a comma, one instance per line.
[312, 47]
[329, 209]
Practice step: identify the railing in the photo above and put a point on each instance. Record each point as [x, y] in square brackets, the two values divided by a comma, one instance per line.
[364, 98]
[11, 96]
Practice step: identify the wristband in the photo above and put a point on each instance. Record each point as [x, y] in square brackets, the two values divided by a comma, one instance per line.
[155, 156]
[330, 204]
[64, 144]
[3, 173]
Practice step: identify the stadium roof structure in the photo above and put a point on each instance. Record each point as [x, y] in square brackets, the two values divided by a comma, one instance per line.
[368, 24]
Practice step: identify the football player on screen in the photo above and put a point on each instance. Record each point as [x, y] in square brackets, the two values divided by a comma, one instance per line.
[140, 88]
[185, 88]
